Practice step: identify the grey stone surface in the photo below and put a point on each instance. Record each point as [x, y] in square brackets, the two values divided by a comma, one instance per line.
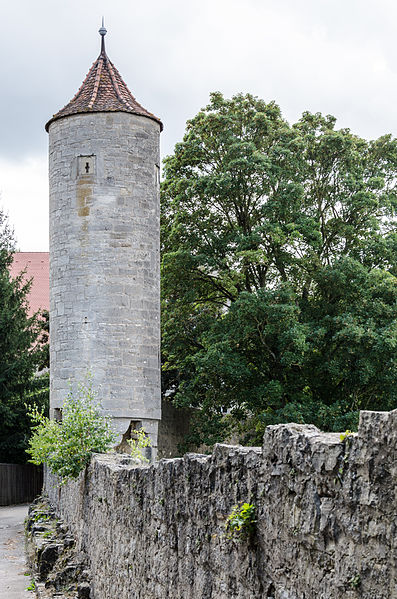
[57, 568]
[173, 426]
[104, 262]
[326, 519]
[13, 582]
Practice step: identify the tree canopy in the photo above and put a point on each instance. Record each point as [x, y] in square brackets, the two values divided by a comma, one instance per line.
[279, 256]
[22, 351]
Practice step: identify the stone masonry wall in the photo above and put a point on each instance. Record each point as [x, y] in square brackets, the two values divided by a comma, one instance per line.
[326, 519]
[173, 426]
[104, 263]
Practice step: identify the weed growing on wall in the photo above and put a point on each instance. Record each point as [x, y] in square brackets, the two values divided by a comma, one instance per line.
[66, 447]
[345, 435]
[345, 438]
[240, 523]
[138, 444]
[32, 586]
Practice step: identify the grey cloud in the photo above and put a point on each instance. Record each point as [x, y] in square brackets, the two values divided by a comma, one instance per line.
[326, 55]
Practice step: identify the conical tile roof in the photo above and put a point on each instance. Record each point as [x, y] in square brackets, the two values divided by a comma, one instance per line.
[103, 90]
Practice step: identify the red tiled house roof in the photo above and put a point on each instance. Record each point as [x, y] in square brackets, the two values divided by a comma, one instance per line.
[36, 265]
[103, 90]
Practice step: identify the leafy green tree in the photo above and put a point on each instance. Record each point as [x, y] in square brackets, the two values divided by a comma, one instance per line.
[279, 256]
[21, 353]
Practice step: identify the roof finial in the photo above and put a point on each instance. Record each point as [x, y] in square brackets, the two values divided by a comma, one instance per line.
[102, 32]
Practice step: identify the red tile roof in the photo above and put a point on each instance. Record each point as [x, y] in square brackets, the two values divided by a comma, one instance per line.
[103, 90]
[36, 265]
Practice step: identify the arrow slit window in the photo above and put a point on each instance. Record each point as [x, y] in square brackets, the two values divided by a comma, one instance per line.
[86, 166]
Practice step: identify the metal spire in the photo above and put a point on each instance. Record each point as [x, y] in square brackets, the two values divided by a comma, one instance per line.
[102, 32]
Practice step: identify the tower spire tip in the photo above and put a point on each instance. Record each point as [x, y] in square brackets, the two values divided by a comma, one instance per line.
[102, 32]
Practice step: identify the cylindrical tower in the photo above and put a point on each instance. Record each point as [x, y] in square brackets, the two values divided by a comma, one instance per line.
[104, 249]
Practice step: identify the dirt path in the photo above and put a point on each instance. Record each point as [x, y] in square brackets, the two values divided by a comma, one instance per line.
[13, 583]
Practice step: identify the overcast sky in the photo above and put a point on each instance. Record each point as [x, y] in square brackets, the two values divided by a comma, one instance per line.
[334, 56]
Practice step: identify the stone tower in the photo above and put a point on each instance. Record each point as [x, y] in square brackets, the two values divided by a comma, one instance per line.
[104, 249]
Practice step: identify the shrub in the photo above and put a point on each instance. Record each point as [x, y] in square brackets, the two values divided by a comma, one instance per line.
[138, 444]
[67, 447]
